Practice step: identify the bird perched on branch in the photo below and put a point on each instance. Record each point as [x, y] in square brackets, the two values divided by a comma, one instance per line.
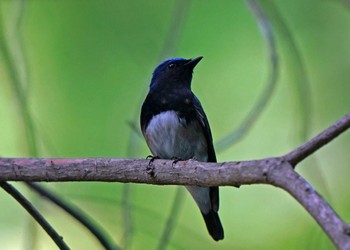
[175, 126]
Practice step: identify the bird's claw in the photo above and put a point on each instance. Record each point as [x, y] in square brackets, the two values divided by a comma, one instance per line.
[151, 158]
[175, 160]
[150, 167]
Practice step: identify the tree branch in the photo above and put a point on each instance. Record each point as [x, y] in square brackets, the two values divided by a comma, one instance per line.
[77, 214]
[286, 178]
[35, 214]
[277, 171]
[311, 146]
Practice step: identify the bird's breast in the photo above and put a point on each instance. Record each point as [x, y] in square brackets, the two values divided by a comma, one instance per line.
[170, 136]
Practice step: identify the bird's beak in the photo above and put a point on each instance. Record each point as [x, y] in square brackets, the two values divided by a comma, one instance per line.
[193, 62]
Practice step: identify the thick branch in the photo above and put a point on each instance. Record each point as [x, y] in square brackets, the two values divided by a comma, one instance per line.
[289, 180]
[134, 170]
[275, 171]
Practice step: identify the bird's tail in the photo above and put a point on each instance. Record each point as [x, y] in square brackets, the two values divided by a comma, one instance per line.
[213, 224]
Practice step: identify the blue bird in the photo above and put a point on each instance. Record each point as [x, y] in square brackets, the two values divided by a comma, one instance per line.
[175, 126]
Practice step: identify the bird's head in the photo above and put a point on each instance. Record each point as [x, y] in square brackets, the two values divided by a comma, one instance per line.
[174, 72]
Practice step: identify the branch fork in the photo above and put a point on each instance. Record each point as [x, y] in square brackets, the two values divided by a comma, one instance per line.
[276, 171]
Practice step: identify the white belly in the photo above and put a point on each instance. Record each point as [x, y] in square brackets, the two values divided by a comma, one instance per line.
[170, 137]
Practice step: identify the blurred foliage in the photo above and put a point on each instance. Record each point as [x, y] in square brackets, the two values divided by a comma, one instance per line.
[83, 69]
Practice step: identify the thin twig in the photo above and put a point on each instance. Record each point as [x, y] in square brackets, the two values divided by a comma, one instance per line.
[35, 214]
[266, 95]
[311, 146]
[297, 68]
[16, 66]
[176, 25]
[171, 219]
[17, 85]
[76, 213]
[126, 213]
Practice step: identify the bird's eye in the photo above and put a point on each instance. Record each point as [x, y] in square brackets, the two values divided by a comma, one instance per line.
[172, 65]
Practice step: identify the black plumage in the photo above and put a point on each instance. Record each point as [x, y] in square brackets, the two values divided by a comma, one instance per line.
[175, 126]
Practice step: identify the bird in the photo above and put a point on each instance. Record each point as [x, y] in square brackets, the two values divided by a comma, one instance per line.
[176, 127]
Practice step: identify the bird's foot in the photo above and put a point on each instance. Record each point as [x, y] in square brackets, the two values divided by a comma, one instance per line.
[151, 158]
[150, 167]
[175, 160]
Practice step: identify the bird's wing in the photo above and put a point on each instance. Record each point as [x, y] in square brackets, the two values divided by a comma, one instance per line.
[206, 129]
[214, 191]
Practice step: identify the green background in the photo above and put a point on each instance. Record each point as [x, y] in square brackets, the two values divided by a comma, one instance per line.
[85, 66]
